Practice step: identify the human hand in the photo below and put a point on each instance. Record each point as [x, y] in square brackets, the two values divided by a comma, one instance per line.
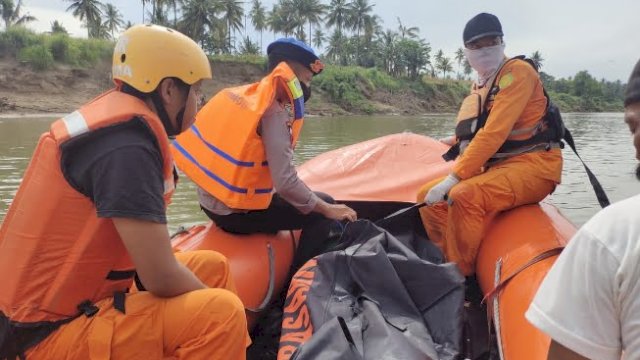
[339, 212]
[438, 192]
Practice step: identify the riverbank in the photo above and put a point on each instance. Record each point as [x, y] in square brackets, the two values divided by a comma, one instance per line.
[62, 88]
[42, 73]
[339, 91]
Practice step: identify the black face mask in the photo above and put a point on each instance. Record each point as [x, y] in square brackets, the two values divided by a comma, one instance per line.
[306, 91]
[638, 172]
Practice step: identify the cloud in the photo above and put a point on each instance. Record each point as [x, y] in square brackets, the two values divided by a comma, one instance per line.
[572, 35]
[46, 15]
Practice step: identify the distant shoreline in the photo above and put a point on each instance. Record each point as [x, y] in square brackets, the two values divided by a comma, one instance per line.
[30, 115]
[339, 91]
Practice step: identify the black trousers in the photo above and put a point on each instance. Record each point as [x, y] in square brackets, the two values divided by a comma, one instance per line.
[280, 215]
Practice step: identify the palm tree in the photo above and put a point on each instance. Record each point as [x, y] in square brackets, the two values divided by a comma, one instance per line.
[218, 37]
[459, 57]
[438, 58]
[174, 5]
[258, 18]
[404, 31]
[11, 15]
[372, 25]
[318, 38]
[248, 47]
[338, 14]
[467, 68]
[387, 50]
[113, 19]
[198, 17]
[537, 59]
[87, 11]
[360, 14]
[99, 29]
[290, 22]
[336, 44]
[443, 64]
[274, 20]
[158, 15]
[311, 11]
[233, 13]
[143, 3]
[57, 28]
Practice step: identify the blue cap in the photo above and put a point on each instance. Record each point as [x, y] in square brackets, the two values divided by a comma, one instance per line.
[296, 50]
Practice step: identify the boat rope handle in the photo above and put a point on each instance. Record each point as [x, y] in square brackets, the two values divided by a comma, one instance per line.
[272, 280]
[499, 287]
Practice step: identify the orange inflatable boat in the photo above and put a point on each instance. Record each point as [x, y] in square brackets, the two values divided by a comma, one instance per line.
[377, 177]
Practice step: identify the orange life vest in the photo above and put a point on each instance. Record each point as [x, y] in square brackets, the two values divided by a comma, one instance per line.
[56, 255]
[546, 133]
[223, 153]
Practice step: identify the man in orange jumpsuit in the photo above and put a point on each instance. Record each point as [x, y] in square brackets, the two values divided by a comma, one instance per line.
[90, 213]
[501, 161]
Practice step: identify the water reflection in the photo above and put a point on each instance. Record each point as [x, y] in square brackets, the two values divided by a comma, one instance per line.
[602, 139]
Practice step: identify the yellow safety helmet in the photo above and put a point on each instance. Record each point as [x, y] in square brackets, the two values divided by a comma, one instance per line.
[146, 54]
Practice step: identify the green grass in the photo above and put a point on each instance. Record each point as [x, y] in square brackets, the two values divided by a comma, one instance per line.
[246, 59]
[352, 88]
[570, 103]
[42, 51]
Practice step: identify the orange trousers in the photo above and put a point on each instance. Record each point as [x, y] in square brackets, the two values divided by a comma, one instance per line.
[457, 226]
[202, 324]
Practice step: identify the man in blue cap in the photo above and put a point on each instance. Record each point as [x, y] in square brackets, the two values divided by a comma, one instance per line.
[277, 125]
[240, 154]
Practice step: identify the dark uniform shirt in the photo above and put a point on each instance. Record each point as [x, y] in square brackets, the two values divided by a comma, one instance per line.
[120, 169]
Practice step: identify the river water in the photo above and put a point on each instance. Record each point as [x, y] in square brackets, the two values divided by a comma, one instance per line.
[603, 141]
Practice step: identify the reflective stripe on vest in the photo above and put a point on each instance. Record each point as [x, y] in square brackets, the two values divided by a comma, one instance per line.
[76, 124]
[223, 153]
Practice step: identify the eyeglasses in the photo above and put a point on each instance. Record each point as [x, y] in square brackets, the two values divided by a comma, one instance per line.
[483, 43]
[199, 96]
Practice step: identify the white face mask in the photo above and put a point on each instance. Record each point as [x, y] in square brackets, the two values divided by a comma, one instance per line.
[485, 61]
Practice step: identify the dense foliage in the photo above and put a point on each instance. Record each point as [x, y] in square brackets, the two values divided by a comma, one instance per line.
[351, 36]
[42, 50]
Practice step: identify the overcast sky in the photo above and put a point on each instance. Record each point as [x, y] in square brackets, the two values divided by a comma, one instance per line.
[600, 36]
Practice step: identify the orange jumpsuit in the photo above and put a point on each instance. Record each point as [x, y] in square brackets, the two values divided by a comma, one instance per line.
[202, 324]
[457, 226]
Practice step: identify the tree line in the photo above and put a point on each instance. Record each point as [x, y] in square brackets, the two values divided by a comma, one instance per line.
[348, 31]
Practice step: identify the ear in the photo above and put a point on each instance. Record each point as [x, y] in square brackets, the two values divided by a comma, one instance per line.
[167, 90]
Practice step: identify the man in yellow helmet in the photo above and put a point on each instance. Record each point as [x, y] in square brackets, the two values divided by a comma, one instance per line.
[90, 215]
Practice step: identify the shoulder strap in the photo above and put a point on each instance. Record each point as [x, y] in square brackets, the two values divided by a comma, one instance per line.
[568, 138]
[495, 78]
[597, 188]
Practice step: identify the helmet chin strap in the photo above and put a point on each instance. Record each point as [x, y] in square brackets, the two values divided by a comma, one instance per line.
[180, 118]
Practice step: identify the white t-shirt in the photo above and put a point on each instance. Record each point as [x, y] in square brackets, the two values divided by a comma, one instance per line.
[590, 300]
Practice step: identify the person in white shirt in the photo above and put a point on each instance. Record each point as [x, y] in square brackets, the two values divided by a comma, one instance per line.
[589, 303]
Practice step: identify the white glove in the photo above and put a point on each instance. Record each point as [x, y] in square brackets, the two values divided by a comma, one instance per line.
[449, 140]
[437, 193]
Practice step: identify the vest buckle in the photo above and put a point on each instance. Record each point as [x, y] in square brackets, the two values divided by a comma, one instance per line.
[88, 308]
